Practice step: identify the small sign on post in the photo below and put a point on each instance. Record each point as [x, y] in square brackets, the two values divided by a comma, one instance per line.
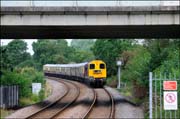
[36, 87]
[170, 100]
[170, 85]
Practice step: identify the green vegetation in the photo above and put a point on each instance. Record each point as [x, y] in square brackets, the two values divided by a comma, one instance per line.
[24, 78]
[160, 56]
[82, 50]
[18, 67]
[109, 51]
[5, 112]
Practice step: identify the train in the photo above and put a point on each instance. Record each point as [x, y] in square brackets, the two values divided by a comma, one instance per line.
[92, 73]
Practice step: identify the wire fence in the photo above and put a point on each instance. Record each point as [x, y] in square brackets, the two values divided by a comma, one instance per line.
[157, 98]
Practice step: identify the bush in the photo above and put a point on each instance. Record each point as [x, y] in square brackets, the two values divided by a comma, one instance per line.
[33, 74]
[26, 101]
[41, 95]
[23, 78]
[14, 78]
[112, 81]
[136, 70]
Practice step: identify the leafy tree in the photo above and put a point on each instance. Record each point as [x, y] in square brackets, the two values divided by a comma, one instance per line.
[14, 53]
[83, 44]
[109, 51]
[81, 56]
[82, 51]
[4, 60]
[137, 66]
[158, 49]
[30, 63]
[52, 51]
[136, 69]
[171, 65]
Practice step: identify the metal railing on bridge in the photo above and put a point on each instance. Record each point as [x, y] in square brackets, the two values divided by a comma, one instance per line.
[32, 3]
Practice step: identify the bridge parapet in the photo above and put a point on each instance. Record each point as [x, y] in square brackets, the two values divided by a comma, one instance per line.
[91, 10]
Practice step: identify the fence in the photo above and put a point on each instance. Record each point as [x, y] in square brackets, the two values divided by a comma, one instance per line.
[9, 96]
[156, 98]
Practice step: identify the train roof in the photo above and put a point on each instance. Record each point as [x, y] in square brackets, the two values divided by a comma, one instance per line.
[66, 65]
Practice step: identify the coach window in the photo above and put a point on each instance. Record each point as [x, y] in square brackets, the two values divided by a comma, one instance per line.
[102, 66]
[92, 66]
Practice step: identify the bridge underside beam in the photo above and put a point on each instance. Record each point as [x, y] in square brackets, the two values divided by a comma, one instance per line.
[56, 32]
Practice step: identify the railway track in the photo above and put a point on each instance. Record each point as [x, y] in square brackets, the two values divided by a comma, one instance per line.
[56, 107]
[103, 107]
[79, 101]
[112, 104]
[83, 104]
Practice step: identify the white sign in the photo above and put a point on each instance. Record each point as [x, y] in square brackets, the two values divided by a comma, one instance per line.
[170, 100]
[119, 63]
[36, 87]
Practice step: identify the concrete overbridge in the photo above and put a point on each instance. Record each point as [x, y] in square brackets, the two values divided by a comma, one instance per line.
[90, 22]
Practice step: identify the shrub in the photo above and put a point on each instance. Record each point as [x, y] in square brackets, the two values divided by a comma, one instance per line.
[14, 78]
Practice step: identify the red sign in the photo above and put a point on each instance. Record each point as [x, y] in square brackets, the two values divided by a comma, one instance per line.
[170, 85]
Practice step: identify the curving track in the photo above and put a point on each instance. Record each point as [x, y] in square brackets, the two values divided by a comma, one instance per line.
[78, 101]
[104, 106]
[82, 105]
[59, 105]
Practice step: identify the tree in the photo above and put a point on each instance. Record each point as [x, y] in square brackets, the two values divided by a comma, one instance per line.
[137, 66]
[109, 51]
[136, 69]
[4, 60]
[15, 53]
[81, 56]
[51, 51]
[158, 49]
[83, 44]
[156, 55]
[82, 49]
[171, 65]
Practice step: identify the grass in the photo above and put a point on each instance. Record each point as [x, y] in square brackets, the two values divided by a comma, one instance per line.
[112, 81]
[5, 112]
[25, 101]
[48, 90]
[36, 98]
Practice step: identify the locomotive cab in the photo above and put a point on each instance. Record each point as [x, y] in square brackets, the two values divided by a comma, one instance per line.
[97, 72]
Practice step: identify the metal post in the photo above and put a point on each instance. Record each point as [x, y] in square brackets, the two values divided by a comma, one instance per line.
[160, 85]
[1, 55]
[150, 95]
[155, 77]
[119, 76]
